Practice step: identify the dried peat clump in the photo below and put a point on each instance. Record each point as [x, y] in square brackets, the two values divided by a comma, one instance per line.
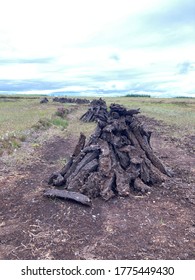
[44, 100]
[116, 159]
[97, 110]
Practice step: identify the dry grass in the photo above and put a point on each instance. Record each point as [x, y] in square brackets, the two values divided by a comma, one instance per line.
[175, 112]
[19, 115]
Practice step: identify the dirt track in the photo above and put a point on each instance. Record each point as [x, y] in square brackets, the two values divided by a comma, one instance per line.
[159, 225]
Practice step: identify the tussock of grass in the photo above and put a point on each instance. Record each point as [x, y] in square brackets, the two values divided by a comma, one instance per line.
[42, 124]
[59, 122]
[9, 143]
[46, 123]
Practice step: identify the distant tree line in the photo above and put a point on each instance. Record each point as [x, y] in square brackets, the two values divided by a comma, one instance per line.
[137, 95]
[184, 97]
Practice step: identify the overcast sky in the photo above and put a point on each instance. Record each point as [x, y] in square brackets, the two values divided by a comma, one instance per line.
[98, 46]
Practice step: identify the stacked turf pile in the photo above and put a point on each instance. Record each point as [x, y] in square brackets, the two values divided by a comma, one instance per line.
[117, 159]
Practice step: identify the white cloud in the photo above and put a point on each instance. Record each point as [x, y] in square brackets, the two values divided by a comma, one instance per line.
[123, 43]
[37, 27]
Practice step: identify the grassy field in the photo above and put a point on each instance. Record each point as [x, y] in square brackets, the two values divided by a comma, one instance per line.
[172, 111]
[21, 114]
[18, 115]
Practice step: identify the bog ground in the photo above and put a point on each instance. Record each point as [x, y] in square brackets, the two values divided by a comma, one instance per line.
[157, 225]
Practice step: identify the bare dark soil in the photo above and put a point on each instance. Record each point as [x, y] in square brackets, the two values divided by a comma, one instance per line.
[159, 225]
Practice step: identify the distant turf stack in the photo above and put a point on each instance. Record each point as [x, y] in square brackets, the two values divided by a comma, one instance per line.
[97, 110]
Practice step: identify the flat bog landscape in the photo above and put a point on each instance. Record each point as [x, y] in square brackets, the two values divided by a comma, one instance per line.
[37, 139]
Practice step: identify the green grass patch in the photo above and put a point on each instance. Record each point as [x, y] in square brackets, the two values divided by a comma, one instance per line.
[57, 121]
[46, 123]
